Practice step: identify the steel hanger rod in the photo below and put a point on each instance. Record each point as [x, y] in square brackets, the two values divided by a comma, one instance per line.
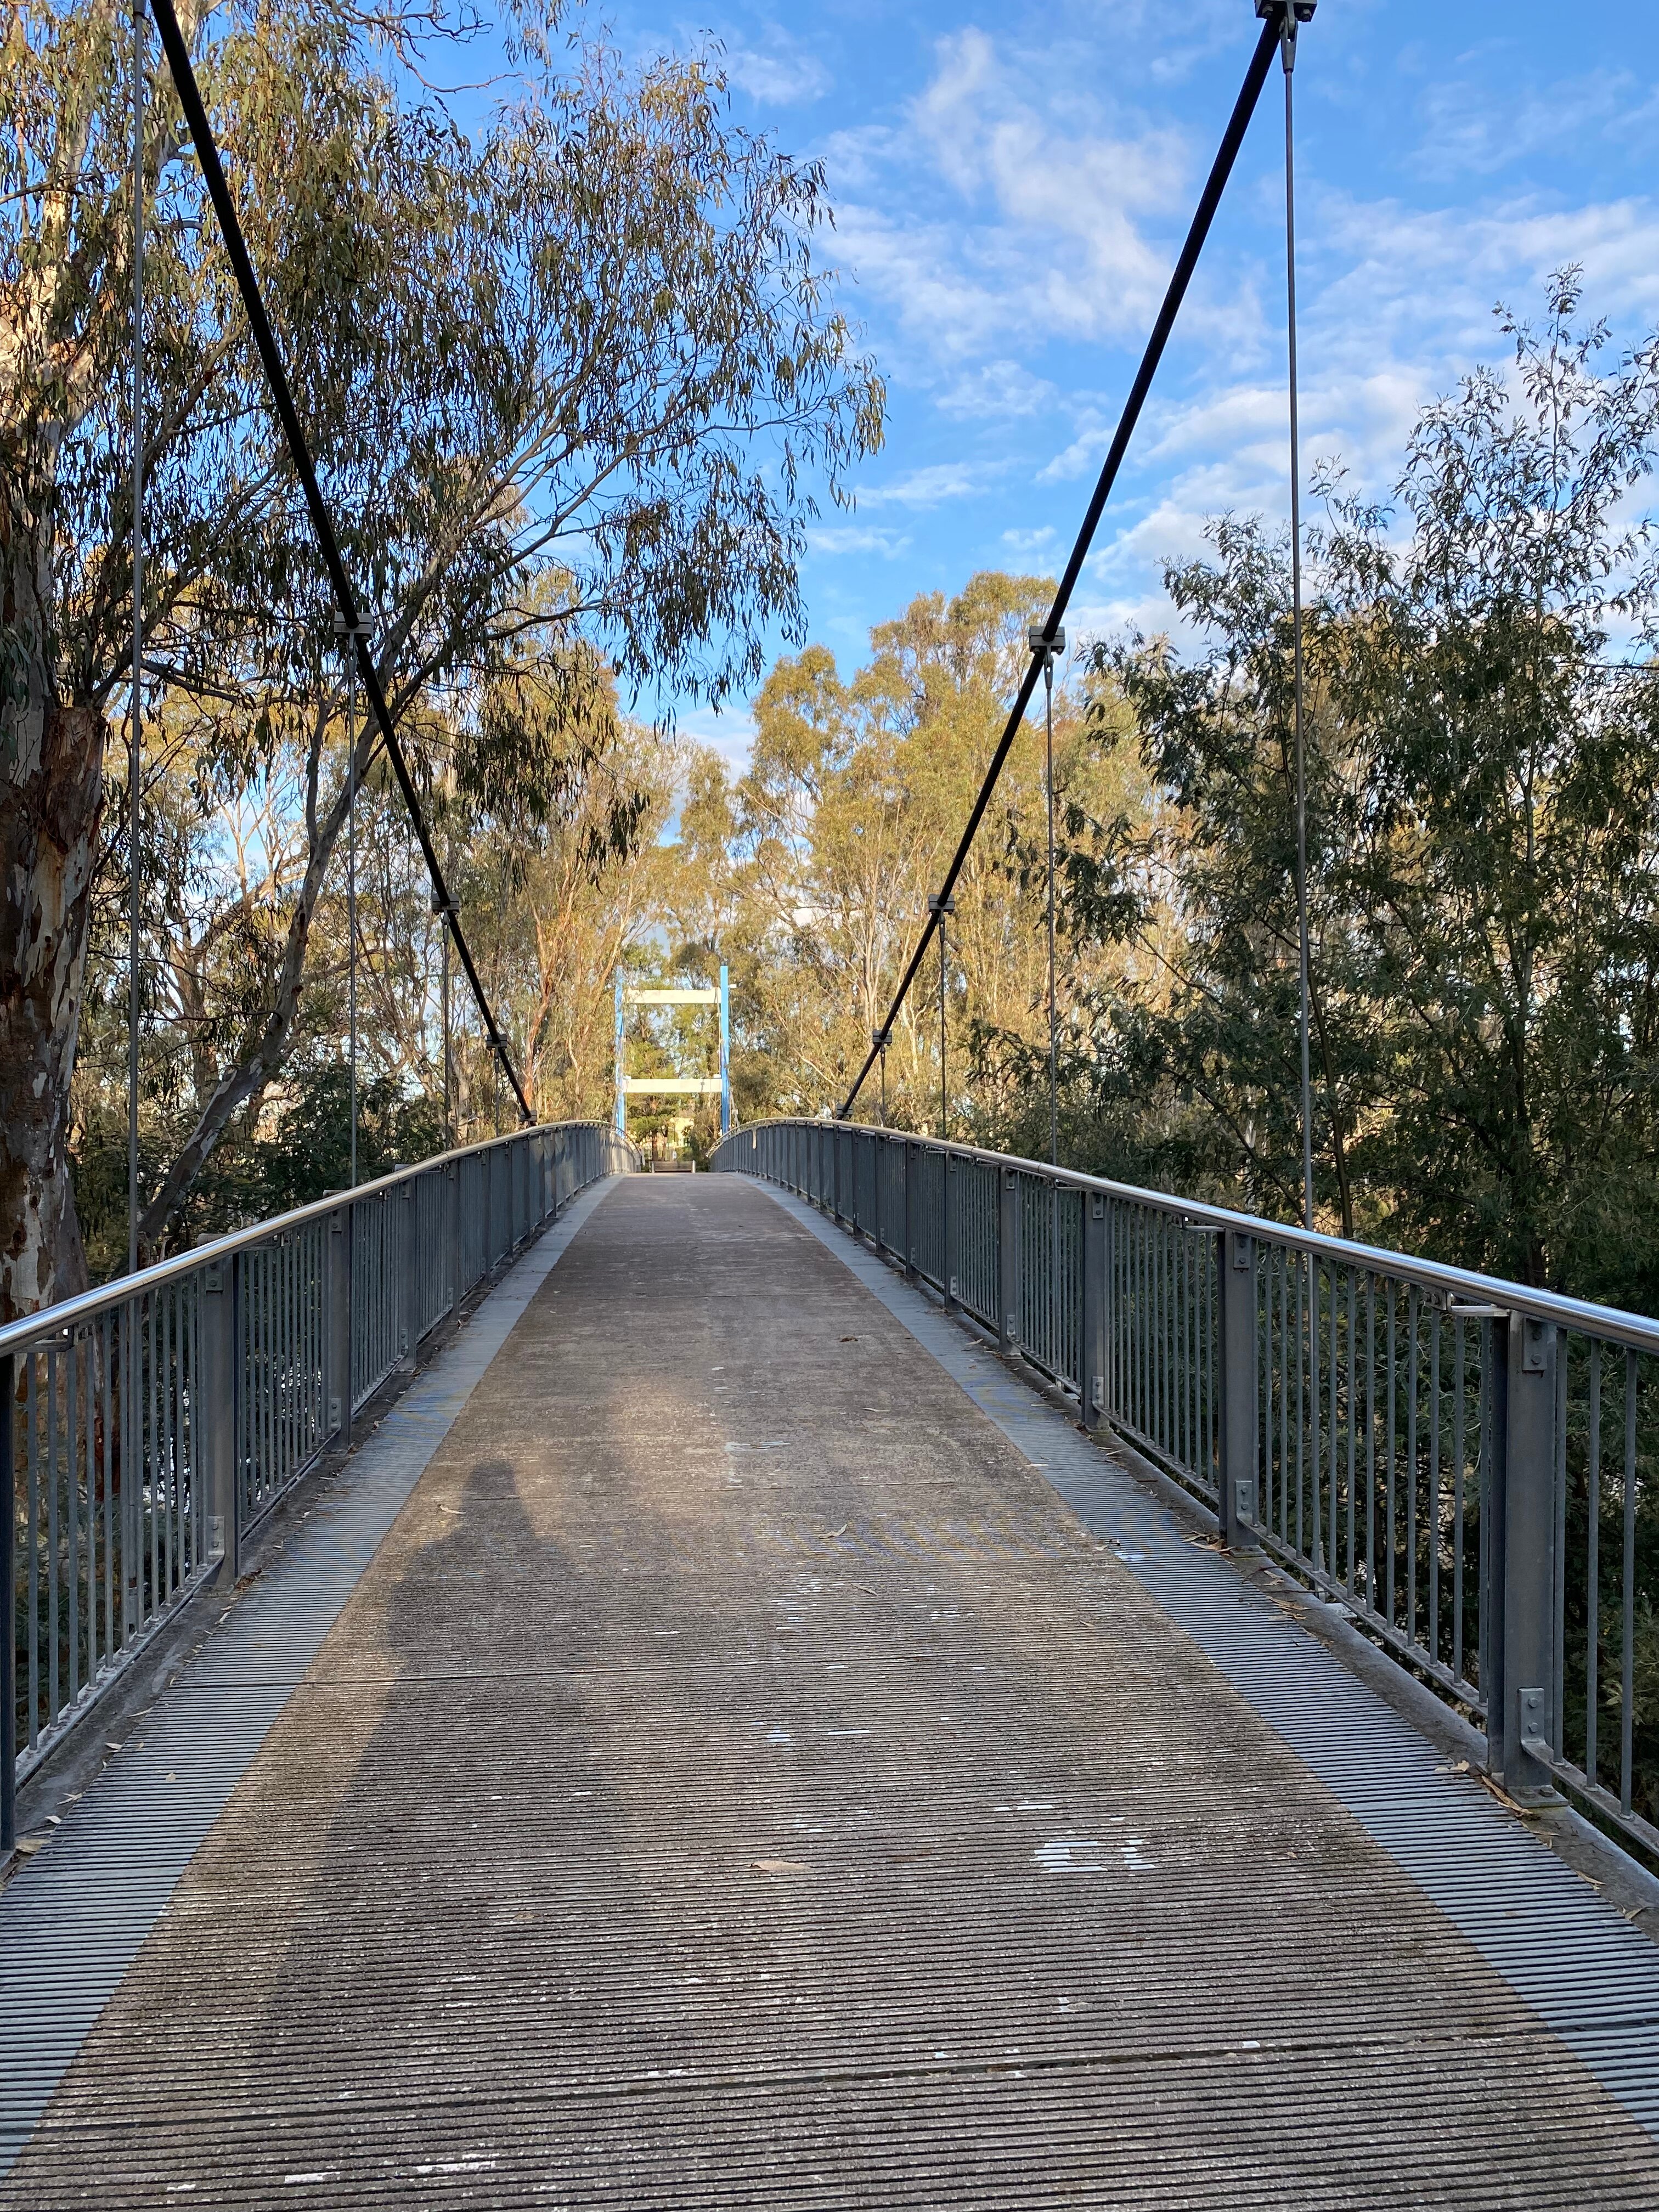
[1255, 77]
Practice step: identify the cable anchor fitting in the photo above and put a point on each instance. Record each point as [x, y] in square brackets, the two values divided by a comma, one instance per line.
[1291, 14]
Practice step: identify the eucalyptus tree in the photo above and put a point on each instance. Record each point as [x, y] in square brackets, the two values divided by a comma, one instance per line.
[572, 379]
[1483, 839]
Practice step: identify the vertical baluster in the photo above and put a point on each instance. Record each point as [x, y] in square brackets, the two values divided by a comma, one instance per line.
[183, 1488]
[271, 1472]
[1434, 1484]
[1264, 1392]
[1284, 1397]
[199, 1531]
[1212, 1397]
[90, 1476]
[1304, 1286]
[1593, 1565]
[1458, 1364]
[1390, 1547]
[1558, 1613]
[1149, 1327]
[32, 1464]
[1196, 1276]
[72, 1509]
[1627, 1684]
[1370, 1440]
[106, 1400]
[1162, 1294]
[1318, 1461]
[1333, 1479]
[1179, 1440]
[54, 1538]
[243, 1446]
[1352, 1418]
[1144, 1324]
[1413, 1387]
[1149, 1322]
[166, 1380]
[1120, 1248]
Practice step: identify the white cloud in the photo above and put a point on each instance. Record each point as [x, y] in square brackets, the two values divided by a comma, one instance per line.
[925, 487]
[1468, 132]
[1023, 198]
[833, 538]
[782, 75]
[730, 734]
[1028, 541]
[999, 389]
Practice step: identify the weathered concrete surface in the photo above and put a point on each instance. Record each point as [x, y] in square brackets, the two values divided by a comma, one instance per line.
[738, 1780]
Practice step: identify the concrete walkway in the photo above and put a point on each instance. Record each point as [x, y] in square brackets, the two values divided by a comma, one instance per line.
[738, 1779]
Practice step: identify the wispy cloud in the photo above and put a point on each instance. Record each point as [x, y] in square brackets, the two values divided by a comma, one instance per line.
[999, 389]
[836, 537]
[1470, 128]
[1013, 201]
[780, 74]
[731, 735]
[926, 487]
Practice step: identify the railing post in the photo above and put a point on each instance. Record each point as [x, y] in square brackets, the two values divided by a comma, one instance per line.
[452, 1237]
[9, 1585]
[219, 1379]
[1519, 1637]
[1237, 1507]
[947, 1185]
[835, 1172]
[910, 1209]
[1092, 1335]
[1007, 1261]
[132, 1472]
[339, 1325]
[408, 1313]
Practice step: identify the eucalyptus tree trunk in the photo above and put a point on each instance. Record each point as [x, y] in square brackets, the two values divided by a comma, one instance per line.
[50, 801]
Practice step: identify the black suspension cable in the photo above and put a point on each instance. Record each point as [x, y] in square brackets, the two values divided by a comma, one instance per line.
[207, 152]
[1255, 77]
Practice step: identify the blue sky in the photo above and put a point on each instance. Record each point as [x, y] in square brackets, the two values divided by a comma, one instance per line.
[1010, 187]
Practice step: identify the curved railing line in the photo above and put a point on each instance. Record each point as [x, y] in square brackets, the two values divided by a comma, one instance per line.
[1637, 1331]
[51, 1321]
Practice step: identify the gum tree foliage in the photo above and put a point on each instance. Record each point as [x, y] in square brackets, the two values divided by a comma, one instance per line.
[571, 379]
[1483, 840]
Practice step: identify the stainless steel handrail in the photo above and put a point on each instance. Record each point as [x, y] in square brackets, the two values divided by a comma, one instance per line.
[51, 1321]
[1611, 1323]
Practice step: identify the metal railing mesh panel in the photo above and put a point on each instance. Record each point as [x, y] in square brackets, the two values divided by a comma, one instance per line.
[278, 1319]
[154, 1423]
[1161, 1377]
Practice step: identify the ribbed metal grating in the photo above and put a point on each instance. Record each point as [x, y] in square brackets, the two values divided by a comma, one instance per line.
[736, 1779]
[73, 1920]
[1591, 1977]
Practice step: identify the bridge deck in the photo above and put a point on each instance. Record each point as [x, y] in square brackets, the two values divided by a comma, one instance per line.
[738, 1779]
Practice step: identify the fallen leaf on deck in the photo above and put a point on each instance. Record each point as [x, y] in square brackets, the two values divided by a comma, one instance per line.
[778, 1866]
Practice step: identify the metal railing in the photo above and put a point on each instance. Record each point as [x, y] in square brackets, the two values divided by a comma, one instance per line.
[1469, 1467]
[155, 1423]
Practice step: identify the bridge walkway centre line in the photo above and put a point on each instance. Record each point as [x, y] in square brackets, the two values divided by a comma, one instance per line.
[738, 1778]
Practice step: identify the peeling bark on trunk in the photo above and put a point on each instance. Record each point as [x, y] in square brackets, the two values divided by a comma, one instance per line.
[50, 806]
